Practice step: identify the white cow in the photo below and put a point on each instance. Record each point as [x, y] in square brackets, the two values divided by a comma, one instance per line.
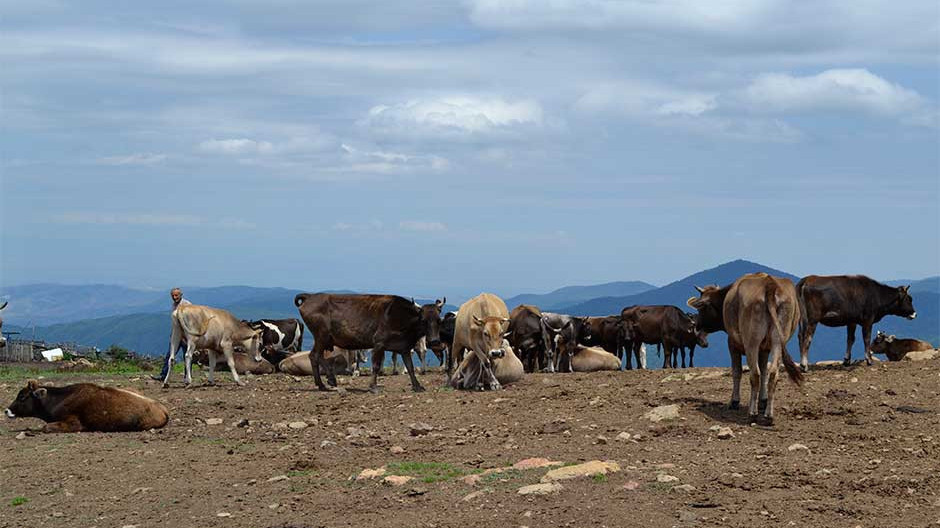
[214, 330]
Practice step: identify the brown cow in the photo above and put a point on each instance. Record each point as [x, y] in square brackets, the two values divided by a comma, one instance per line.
[663, 324]
[895, 349]
[212, 329]
[847, 300]
[481, 326]
[525, 327]
[244, 364]
[611, 334]
[759, 314]
[87, 407]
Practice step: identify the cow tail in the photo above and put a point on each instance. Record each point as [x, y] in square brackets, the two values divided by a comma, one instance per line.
[299, 299]
[804, 318]
[300, 340]
[796, 375]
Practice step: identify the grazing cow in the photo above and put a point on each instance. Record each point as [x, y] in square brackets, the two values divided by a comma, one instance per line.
[847, 300]
[525, 337]
[481, 327]
[3, 339]
[759, 313]
[505, 366]
[87, 407]
[663, 324]
[895, 349]
[244, 364]
[556, 327]
[379, 322]
[588, 358]
[214, 330]
[279, 337]
[611, 334]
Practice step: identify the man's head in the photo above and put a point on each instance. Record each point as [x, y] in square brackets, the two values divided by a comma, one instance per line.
[177, 295]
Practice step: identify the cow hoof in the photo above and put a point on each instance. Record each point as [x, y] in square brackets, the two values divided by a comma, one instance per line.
[395, 373]
[356, 374]
[418, 388]
[846, 362]
[804, 368]
[325, 389]
[761, 405]
[753, 418]
[495, 385]
[166, 385]
[766, 421]
[374, 390]
[735, 405]
[868, 361]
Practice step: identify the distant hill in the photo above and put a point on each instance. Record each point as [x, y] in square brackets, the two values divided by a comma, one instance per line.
[930, 284]
[575, 294]
[44, 304]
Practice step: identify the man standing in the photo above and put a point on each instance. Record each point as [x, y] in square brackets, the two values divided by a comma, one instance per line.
[177, 295]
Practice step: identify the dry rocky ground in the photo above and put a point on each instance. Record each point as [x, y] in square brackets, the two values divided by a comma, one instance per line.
[856, 446]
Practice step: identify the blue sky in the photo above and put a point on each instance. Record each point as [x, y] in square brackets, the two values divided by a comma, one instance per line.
[435, 147]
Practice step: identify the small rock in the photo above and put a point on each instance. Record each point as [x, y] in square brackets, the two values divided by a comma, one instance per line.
[534, 463]
[663, 412]
[587, 469]
[596, 401]
[797, 447]
[298, 425]
[601, 440]
[213, 421]
[540, 489]
[623, 437]
[725, 433]
[853, 380]
[396, 450]
[21, 436]
[223, 514]
[369, 474]
[715, 428]
[397, 480]
[470, 496]
[420, 429]
[631, 485]
[273, 506]
[688, 488]
[327, 443]
[662, 477]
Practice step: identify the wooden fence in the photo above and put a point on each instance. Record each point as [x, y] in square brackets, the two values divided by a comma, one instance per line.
[24, 350]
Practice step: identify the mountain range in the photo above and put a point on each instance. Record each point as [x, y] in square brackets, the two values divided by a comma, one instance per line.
[102, 315]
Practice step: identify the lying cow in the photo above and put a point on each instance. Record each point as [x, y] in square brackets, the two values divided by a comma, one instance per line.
[588, 358]
[279, 337]
[759, 313]
[87, 407]
[895, 349]
[212, 329]
[244, 364]
[481, 327]
[340, 360]
[505, 367]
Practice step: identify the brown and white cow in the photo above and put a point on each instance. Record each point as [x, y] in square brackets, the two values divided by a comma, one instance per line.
[481, 327]
[214, 330]
[894, 348]
[87, 407]
[279, 337]
[759, 313]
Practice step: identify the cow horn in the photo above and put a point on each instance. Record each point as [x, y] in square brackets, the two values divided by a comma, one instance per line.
[478, 321]
[441, 302]
[4, 305]
[699, 289]
[905, 288]
[691, 302]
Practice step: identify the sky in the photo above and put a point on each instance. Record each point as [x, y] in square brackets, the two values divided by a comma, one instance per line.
[427, 147]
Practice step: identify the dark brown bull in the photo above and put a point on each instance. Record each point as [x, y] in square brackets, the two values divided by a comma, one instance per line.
[610, 333]
[759, 314]
[663, 324]
[379, 322]
[895, 349]
[847, 300]
[87, 407]
[525, 337]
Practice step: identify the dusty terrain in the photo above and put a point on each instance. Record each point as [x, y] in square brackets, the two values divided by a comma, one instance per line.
[871, 457]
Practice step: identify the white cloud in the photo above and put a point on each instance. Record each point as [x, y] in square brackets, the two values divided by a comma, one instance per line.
[644, 99]
[422, 226]
[373, 225]
[149, 219]
[839, 89]
[379, 161]
[133, 159]
[236, 146]
[451, 116]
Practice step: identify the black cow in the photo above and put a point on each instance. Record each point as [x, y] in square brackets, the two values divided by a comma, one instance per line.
[525, 337]
[612, 335]
[379, 322]
[279, 337]
[847, 300]
[661, 324]
[561, 327]
[688, 341]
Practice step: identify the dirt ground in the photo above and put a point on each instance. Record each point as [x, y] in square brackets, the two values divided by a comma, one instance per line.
[871, 456]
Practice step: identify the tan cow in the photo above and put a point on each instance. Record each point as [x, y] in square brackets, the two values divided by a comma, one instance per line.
[342, 360]
[244, 364]
[481, 326]
[589, 359]
[507, 368]
[214, 330]
[759, 314]
[87, 407]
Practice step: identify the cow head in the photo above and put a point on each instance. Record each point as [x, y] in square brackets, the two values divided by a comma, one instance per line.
[695, 330]
[904, 305]
[29, 401]
[249, 338]
[880, 344]
[430, 315]
[575, 330]
[494, 330]
[709, 305]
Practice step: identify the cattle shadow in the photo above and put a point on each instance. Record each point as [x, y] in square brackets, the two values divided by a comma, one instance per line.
[718, 411]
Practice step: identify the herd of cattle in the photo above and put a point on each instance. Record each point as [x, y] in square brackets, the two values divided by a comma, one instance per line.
[485, 346]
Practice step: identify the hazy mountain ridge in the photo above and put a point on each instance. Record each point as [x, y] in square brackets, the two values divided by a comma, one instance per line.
[569, 295]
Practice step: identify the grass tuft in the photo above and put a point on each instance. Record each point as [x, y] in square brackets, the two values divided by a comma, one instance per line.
[17, 501]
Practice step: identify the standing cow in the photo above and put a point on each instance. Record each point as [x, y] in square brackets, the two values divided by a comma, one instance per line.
[379, 322]
[481, 327]
[557, 327]
[688, 341]
[662, 324]
[525, 337]
[214, 330]
[847, 300]
[611, 334]
[759, 313]
[279, 337]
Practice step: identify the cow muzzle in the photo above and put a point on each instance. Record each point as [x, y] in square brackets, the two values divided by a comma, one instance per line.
[9, 413]
[497, 354]
[435, 343]
[912, 316]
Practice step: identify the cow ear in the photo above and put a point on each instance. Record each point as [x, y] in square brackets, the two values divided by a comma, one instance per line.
[691, 303]
[906, 289]
[40, 392]
[507, 333]
[32, 385]
[477, 321]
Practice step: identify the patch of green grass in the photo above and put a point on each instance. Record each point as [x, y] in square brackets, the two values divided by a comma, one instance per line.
[509, 474]
[428, 472]
[599, 477]
[18, 501]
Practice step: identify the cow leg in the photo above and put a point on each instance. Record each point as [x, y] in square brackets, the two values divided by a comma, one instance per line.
[395, 364]
[70, 425]
[849, 341]
[423, 356]
[641, 358]
[409, 364]
[806, 338]
[378, 357]
[764, 373]
[667, 356]
[633, 351]
[771, 388]
[229, 352]
[316, 359]
[691, 355]
[212, 361]
[735, 377]
[188, 363]
[866, 340]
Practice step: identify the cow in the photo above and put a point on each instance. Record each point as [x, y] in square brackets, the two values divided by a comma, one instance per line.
[87, 407]
[847, 300]
[525, 337]
[342, 361]
[421, 349]
[505, 367]
[279, 337]
[663, 324]
[688, 341]
[3, 339]
[481, 327]
[212, 329]
[244, 364]
[759, 313]
[611, 334]
[379, 322]
[588, 358]
[895, 349]
[556, 327]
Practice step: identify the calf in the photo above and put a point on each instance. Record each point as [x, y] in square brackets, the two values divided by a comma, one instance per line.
[895, 349]
[279, 337]
[339, 360]
[688, 340]
[87, 407]
[588, 358]
[611, 334]
[505, 366]
[759, 314]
